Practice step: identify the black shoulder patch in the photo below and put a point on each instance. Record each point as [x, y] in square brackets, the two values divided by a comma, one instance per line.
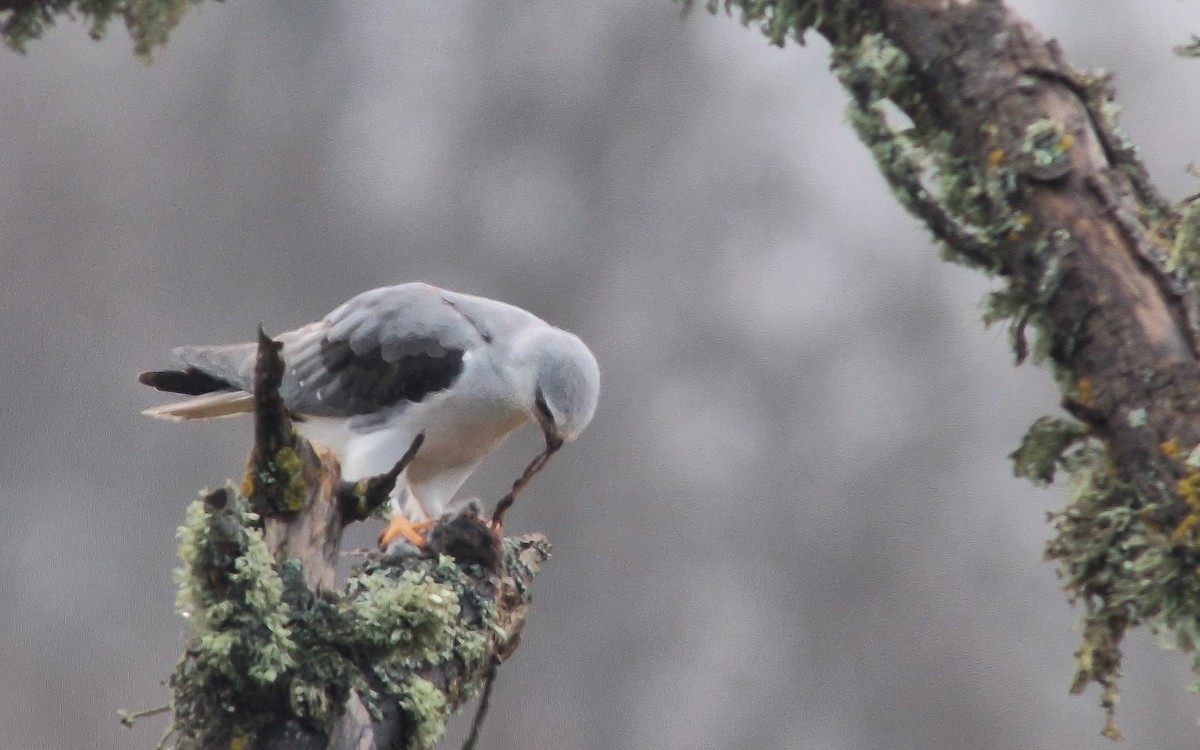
[367, 382]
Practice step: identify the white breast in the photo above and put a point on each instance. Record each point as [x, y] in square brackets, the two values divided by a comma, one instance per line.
[462, 425]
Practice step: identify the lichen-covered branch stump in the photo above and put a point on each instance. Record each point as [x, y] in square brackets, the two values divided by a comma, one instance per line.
[277, 659]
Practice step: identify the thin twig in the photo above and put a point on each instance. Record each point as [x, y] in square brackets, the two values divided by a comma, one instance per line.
[358, 505]
[481, 710]
[166, 735]
[129, 718]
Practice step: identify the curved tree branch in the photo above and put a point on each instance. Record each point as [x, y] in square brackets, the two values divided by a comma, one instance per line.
[1012, 159]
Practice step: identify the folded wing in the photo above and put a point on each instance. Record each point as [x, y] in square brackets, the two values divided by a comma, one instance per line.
[381, 349]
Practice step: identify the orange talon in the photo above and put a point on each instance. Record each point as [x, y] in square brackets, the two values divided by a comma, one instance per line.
[400, 526]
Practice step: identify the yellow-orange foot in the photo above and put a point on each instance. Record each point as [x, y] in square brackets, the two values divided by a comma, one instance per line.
[400, 526]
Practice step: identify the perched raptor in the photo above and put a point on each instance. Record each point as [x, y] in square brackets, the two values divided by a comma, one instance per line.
[399, 361]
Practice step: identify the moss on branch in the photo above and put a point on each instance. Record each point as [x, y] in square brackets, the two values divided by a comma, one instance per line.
[1117, 561]
[417, 632]
[149, 22]
[1015, 163]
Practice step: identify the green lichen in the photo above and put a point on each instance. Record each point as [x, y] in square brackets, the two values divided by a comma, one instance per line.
[967, 205]
[1043, 447]
[915, 157]
[444, 614]
[277, 485]
[779, 19]
[1185, 251]
[417, 621]
[877, 68]
[258, 636]
[1189, 492]
[240, 637]
[1121, 552]
[232, 594]
[1125, 568]
[1096, 535]
[970, 204]
[290, 465]
[1023, 304]
[361, 501]
[1047, 144]
[1190, 49]
[426, 709]
[427, 608]
[514, 557]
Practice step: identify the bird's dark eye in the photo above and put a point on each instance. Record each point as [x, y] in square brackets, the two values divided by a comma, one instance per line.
[539, 401]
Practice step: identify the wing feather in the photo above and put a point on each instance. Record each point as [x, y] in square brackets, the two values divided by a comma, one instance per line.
[208, 406]
[382, 348]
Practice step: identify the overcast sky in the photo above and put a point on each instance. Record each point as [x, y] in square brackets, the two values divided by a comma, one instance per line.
[792, 524]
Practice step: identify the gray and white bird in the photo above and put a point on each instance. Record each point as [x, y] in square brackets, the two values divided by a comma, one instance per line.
[399, 361]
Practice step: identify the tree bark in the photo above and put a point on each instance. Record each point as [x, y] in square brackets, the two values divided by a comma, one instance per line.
[1121, 326]
[1013, 160]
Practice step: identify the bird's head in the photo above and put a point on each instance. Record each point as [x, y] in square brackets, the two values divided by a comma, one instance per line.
[565, 385]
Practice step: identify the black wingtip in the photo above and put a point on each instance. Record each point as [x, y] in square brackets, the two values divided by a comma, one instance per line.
[189, 382]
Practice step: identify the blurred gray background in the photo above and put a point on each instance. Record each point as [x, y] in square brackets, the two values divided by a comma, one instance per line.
[792, 524]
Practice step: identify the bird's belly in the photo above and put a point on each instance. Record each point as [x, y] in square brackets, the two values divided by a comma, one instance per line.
[459, 433]
[453, 443]
[331, 433]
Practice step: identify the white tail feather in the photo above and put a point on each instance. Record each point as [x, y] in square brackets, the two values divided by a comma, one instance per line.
[209, 406]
